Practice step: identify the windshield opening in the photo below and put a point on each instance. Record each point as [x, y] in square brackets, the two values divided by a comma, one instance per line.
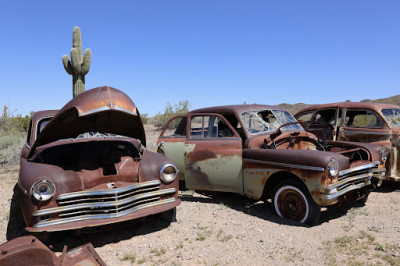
[392, 116]
[257, 122]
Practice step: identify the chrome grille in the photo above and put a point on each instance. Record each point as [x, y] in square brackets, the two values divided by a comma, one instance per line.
[351, 179]
[100, 204]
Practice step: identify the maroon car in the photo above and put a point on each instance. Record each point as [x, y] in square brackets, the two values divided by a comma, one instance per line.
[85, 165]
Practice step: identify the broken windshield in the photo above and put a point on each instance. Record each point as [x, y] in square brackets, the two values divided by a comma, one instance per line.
[267, 121]
[392, 116]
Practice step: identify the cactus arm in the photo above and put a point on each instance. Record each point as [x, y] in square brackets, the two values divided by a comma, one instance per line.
[67, 64]
[77, 41]
[87, 57]
[75, 61]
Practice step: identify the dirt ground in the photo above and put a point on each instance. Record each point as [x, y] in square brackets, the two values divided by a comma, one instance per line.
[224, 228]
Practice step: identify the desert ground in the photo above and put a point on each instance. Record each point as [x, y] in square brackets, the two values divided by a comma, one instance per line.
[225, 229]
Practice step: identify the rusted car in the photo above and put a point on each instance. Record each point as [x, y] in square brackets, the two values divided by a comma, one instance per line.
[360, 122]
[28, 250]
[262, 152]
[85, 165]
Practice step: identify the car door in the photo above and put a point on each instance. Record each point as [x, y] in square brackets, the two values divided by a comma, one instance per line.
[363, 125]
[212, 154]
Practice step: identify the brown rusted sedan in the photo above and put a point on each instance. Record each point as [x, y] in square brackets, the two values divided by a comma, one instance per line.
[85, 165]
[361, 122]
[262, 152]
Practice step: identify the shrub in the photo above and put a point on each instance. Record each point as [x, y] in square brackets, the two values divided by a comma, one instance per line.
[145, 118]
[170, 111]
[13, 130]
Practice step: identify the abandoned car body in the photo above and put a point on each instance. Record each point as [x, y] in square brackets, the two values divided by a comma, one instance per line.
[85, 166]
[28, 250]
[246, 149]
[361, 122]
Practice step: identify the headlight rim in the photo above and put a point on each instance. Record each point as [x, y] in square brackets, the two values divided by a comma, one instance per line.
[332, 162]
[39, 197]
[163, 175]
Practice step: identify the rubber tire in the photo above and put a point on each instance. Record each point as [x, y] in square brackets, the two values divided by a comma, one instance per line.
[313, 211]
[169, 216]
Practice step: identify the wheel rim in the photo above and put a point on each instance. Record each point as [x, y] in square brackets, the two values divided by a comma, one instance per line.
[290, 202]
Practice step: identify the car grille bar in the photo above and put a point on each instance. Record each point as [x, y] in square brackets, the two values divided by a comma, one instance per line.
[103, 216]
[99, 204]
[351, 179]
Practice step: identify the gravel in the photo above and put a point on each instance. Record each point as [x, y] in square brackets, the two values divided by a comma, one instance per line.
[224, 228]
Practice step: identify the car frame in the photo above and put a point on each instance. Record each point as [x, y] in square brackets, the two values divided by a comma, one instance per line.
[86, 165]
[222, 154]
[360, 122]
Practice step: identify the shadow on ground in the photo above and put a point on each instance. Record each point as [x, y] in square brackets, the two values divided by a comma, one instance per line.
[264, 210]
[98, 237]
[388, 187]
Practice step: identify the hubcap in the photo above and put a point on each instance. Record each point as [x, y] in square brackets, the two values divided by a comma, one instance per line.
[292, 205]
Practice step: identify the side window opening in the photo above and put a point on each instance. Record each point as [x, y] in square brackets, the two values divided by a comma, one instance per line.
[362, 118]
[209, 127]
[176, 128]
[328, 116]
[41, 124]
[28, 138]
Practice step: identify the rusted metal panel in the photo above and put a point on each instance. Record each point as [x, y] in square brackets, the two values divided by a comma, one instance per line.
[102, 109]
[214, 165]
[100, 152]
[28, 250]
[173, 148]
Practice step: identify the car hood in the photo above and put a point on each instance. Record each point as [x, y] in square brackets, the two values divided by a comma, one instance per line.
[102, 109]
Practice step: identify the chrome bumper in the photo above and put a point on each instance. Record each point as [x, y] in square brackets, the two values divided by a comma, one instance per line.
[104, 204]
[351, 179]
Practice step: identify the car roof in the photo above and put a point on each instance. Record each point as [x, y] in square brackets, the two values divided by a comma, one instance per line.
[370, 105]
[237, 109]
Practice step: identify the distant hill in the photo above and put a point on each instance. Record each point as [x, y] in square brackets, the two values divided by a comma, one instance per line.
[294, 108]
[391, 100]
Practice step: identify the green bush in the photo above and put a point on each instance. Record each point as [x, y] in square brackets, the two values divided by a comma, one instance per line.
[13, 131]
[170, 111]
[145, 118]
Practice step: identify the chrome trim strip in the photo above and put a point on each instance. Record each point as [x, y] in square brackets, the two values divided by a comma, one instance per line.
[102, 216]
[106, 108]
[364, 132]
[115, 203]
[108, 198]
[357, 168]
[102, 211]
[107, 191]
[344, 191]
[348, 180]
[313, 168]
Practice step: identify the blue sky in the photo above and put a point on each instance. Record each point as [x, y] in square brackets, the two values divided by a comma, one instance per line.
[207, 52]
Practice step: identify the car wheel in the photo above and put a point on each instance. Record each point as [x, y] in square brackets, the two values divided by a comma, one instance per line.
[169, 216]
[292, 201]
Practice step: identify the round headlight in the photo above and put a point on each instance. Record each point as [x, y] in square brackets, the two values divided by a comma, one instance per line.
[168, 173]
[333, 168]
[43, 190]
[383, 154]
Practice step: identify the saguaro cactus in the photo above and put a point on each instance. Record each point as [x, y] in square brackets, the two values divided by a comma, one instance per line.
[78, 66]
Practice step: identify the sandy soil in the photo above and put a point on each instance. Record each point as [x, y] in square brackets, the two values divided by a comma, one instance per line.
[224, 228]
